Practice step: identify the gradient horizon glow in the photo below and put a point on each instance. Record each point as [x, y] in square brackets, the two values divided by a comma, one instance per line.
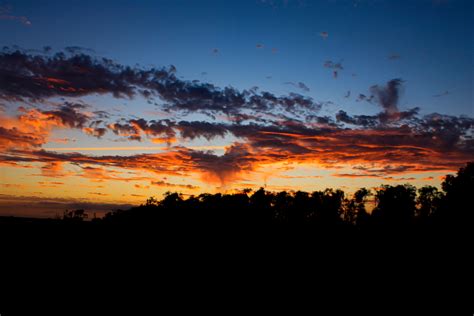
[106, 103]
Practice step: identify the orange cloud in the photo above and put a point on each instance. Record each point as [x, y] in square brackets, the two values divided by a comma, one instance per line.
[53, 169]
[163, 140]
[13, 185]
[173, 185]
[98, 193]
[139, 186]
[32, 127]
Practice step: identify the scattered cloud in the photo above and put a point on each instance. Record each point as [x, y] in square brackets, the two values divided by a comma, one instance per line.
[299, 85]
[442, 94]
[173, 185]
[265, 128]
[6, 14]
[336, 67]
[42, 77]
[98, 193]
[394, 56]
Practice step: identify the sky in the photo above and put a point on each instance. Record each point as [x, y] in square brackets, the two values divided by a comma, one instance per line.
[106, 103]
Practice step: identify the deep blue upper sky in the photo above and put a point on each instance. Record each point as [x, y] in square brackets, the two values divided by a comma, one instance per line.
[433, 39]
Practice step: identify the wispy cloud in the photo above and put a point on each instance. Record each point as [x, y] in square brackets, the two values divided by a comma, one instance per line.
[173, 185]
[336, 67]
[442, 94]
[394, 56]
[299, 85]
[6, 14]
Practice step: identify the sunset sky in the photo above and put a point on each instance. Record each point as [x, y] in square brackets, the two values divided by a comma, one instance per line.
[106, 103]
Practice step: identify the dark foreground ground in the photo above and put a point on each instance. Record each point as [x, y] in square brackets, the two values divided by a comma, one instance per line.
[196, 257]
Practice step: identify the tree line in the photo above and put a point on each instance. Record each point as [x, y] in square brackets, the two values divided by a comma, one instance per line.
[393, 206]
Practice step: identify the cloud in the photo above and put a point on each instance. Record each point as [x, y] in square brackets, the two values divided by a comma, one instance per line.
[5, 14]
[137, 195]
[363, 97]
[442, 94]
[30, 129]
[324, 35]
[387, 96]
[222, 169]
[336, 67]
[98, 193]
[394, 56]
[355, 175]
[101, 174]
[62, 140]
[267, 128]
[14, 137]
[53, 169]
[431, 143]
[130, 131]
[95, 131]
[52, 184]
[192, 130]
[331, 65]
[166, 130]
[32, 126]
[139, 186]
[172, 185]
[67, 115]
[38, 77]
[13, 185]
[361, 120]
[74, 50]
[299, 85]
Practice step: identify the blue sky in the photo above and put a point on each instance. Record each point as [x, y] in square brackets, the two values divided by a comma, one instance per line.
[434, 40]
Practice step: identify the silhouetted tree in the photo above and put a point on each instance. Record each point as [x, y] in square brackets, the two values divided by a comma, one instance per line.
[354, 211]
[300, 208]
[74, 216]
[429, 200]
[395, 205]
[327, 206]
[152, 201]
[360, 197]
[260, 204]
[457, 205]
[281, 205]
